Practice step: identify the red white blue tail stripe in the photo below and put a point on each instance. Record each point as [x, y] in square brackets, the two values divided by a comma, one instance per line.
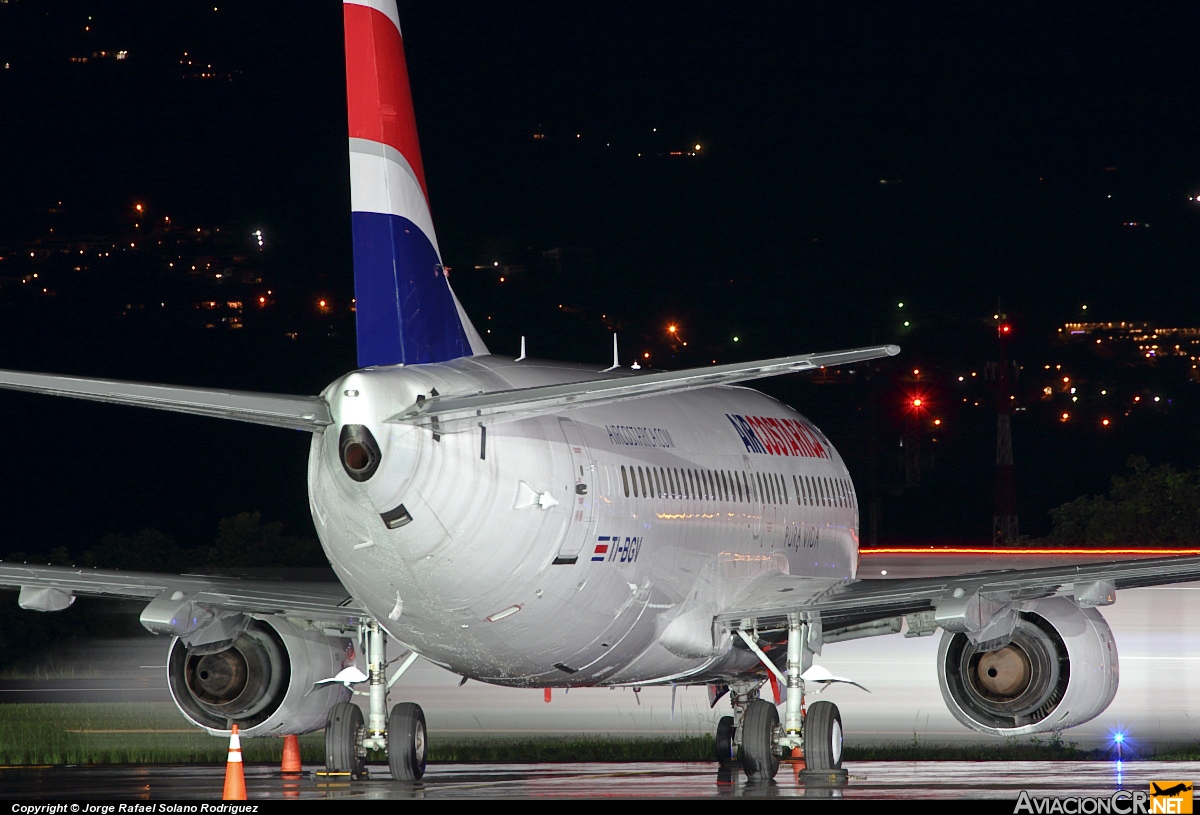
[406, 311]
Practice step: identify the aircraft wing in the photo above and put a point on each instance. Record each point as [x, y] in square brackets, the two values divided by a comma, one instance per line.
[450, 413]
[844, 604]
[52, 588]
[297, 412]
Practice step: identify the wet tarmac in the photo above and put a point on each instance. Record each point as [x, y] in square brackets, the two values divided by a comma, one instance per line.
[871, 780]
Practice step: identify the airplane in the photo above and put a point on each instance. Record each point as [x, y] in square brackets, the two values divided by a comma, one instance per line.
[541, 524]
[1171, 791]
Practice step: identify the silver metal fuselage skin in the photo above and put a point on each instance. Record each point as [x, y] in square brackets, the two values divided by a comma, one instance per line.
[531, 560]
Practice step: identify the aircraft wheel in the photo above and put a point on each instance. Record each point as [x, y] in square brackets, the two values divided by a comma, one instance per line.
[726, 749]
[760, 740]
[823, 737]
[406, 742]
[344, 730]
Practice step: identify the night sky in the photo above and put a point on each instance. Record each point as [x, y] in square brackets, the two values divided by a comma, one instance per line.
[1017, 141]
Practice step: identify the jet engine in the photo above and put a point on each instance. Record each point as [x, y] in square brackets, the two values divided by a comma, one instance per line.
[1058, 670]
[264, 680]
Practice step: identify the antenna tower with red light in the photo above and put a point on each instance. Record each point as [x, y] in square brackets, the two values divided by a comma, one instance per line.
[1005, 531]
[915, 406]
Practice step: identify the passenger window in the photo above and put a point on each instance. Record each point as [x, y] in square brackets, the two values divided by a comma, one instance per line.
[625, 480]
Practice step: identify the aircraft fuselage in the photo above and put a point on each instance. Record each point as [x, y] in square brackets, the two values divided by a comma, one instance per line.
[589, 548]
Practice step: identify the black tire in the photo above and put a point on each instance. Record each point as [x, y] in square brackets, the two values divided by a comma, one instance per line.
[344, 733]
[726, 749]
[406, 742]
[760, 740]
[823, 737]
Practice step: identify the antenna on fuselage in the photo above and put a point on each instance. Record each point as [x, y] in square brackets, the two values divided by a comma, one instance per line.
[616, 362]
[518, 359]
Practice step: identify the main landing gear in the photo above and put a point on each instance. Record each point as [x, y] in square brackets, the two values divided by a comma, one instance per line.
[755, 724]
[401, 734]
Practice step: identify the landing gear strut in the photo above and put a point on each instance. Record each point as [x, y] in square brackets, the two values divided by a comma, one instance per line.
[763, 738]
[401, 735]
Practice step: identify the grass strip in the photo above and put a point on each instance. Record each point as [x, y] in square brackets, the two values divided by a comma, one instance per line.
[155, 733]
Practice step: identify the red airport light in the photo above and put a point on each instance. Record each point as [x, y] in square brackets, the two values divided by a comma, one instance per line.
[916, 402]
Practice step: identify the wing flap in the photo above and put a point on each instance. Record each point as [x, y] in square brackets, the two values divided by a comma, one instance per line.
[309, 413]
[451, 413]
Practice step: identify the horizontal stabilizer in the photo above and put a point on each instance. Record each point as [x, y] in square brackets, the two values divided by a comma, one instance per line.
[298, 412]
[453, 413]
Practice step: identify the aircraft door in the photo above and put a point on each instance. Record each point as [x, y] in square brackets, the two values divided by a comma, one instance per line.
[583, 487]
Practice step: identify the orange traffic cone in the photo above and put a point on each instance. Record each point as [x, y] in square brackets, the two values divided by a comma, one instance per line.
[291, 754]
[235, 778]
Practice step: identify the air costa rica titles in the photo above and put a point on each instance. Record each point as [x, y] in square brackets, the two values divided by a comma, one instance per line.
[778, 437]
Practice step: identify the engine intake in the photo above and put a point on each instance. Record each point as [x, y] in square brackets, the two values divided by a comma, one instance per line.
[1059, 669]
[263, 680]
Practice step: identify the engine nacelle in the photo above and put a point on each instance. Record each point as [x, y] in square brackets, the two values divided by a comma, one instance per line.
[1059, 670]
[264, 681]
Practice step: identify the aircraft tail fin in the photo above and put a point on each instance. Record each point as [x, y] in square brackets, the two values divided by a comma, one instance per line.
[406, 310]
